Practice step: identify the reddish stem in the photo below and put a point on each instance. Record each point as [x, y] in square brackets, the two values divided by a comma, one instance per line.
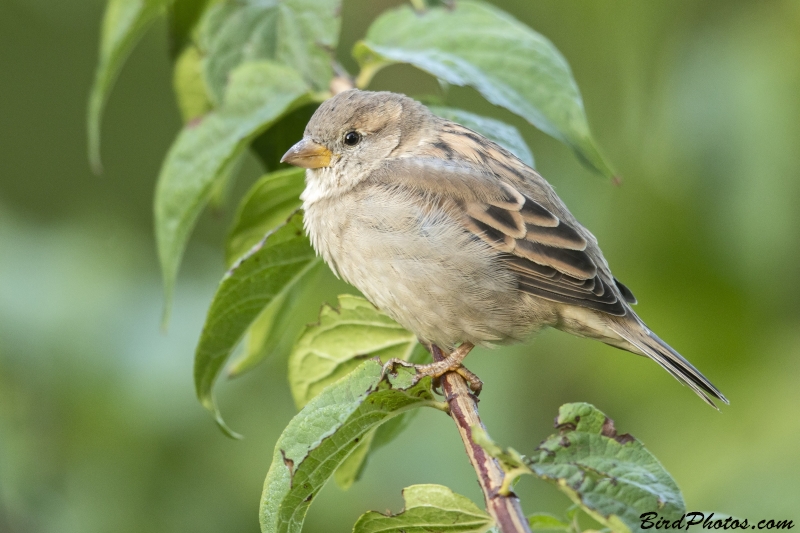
[505, 510]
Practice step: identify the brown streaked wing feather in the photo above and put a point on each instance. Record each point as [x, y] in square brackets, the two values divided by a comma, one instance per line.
[616, 308]
[549, 256]
[574, 263]
[536, 214]
[550, 260]
[495, 237]
[561, 236]
[504, 220]
[626, 292]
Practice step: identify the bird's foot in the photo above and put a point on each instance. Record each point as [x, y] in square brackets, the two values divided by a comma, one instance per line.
[451, 363]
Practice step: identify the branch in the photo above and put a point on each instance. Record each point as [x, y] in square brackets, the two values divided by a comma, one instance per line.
[342, 81]
[505, 510]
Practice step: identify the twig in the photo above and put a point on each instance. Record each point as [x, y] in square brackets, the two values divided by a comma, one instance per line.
[342, 80]
[505, 510]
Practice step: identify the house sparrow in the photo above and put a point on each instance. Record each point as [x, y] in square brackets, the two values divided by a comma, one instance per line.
[457, 239]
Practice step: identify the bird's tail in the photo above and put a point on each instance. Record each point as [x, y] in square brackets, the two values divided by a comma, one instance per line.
[648, 343]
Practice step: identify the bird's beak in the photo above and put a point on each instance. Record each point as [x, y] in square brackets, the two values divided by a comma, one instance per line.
[307, 154]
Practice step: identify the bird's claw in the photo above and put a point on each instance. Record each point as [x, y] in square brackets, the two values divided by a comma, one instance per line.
[475, 383]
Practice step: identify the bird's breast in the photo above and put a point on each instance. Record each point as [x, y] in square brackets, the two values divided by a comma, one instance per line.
[416, 263]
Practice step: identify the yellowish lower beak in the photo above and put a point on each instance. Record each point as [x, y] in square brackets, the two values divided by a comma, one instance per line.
[307, 154]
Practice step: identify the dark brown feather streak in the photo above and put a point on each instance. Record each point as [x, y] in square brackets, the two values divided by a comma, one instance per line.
[550, 261]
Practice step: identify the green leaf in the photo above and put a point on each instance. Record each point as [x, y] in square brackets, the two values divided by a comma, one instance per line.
[351, 468]
[273, 143]
[270, 270]
[478, 45]
[299, 33]
[267, 204]
[324, 434]
[223, 185]
[276, 328]
[428, 508]
[259, 333]
[183, 18]
[343, 338]
[612, 477]
[503, 134]
[390, 430]
[350, 471]
[548, 522]
[124, 23]
[189, 86]
[259, 93]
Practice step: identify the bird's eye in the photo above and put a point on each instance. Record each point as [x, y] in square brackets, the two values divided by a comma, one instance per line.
[352, 138]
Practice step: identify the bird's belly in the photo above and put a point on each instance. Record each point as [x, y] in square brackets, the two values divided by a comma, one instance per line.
[422, 269]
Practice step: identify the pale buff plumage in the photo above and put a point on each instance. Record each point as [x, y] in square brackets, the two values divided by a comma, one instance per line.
[454, 237]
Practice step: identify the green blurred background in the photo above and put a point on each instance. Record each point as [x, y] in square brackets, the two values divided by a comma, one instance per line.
[696, 103]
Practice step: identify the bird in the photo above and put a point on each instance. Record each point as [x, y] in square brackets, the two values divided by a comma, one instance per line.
[457, 239]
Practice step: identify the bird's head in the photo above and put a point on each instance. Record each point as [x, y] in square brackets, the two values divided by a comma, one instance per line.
[353, 133]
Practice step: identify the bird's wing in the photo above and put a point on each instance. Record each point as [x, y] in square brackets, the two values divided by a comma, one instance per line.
[550, 256]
